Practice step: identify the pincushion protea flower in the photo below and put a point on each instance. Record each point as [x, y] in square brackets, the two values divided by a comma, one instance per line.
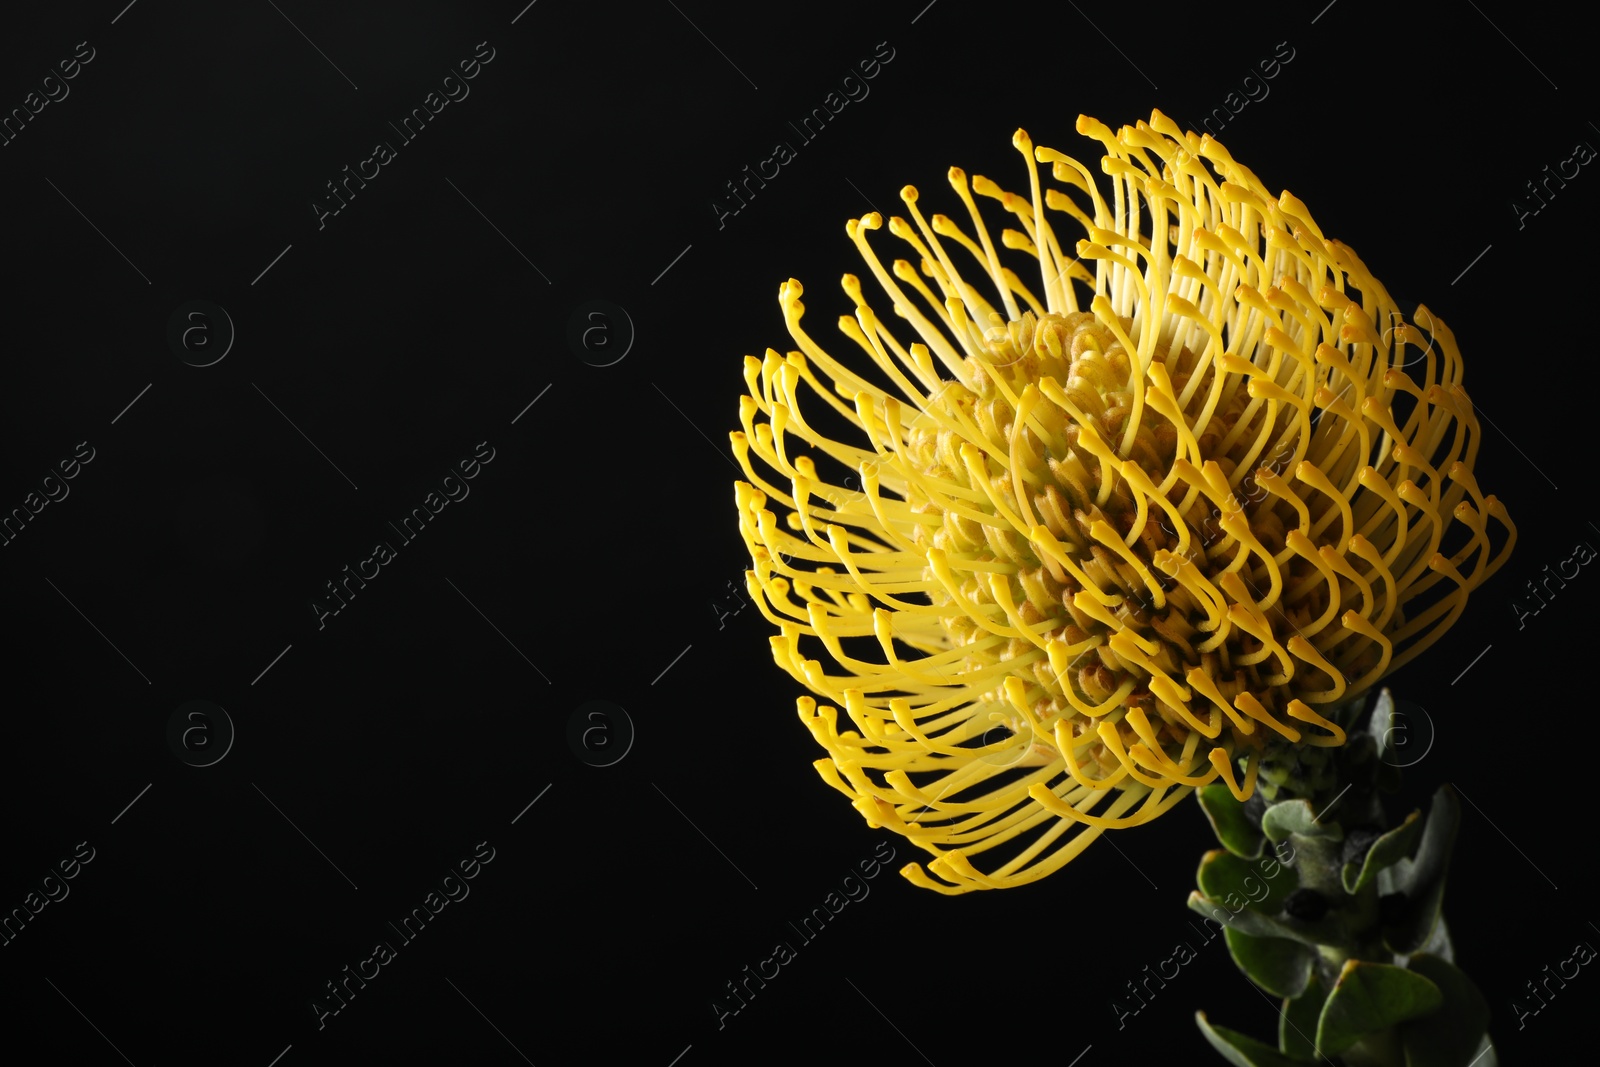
[1116, 538]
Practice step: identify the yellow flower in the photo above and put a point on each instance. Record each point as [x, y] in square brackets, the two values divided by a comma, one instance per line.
[1115, 538]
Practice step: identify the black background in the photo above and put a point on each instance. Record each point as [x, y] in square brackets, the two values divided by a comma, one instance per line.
[590, 554]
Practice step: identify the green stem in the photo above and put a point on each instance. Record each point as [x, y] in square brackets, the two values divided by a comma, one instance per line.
[1335, 799]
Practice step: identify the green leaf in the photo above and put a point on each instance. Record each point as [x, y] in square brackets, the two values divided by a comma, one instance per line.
[1262, 885]
[1380, 726]
[1451, 1036]
[1422, 879]
[1386, 851]
[1296, 817]
[1237, 832]
[1276, 964]
[1417, 924]
[1439, 944]
[1432, 857]
[1250, 921]
[1297, 1025]
[1388, 778]
[1369, 997]
[1239, 1050]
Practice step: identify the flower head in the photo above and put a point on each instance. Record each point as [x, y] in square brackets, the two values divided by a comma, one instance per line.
[1093, 545]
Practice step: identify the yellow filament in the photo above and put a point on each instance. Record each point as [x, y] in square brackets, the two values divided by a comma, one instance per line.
[1247, 703]
[1298, 710]
[1219, 760]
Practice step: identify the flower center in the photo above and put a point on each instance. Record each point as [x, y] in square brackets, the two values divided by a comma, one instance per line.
[1112, 593]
